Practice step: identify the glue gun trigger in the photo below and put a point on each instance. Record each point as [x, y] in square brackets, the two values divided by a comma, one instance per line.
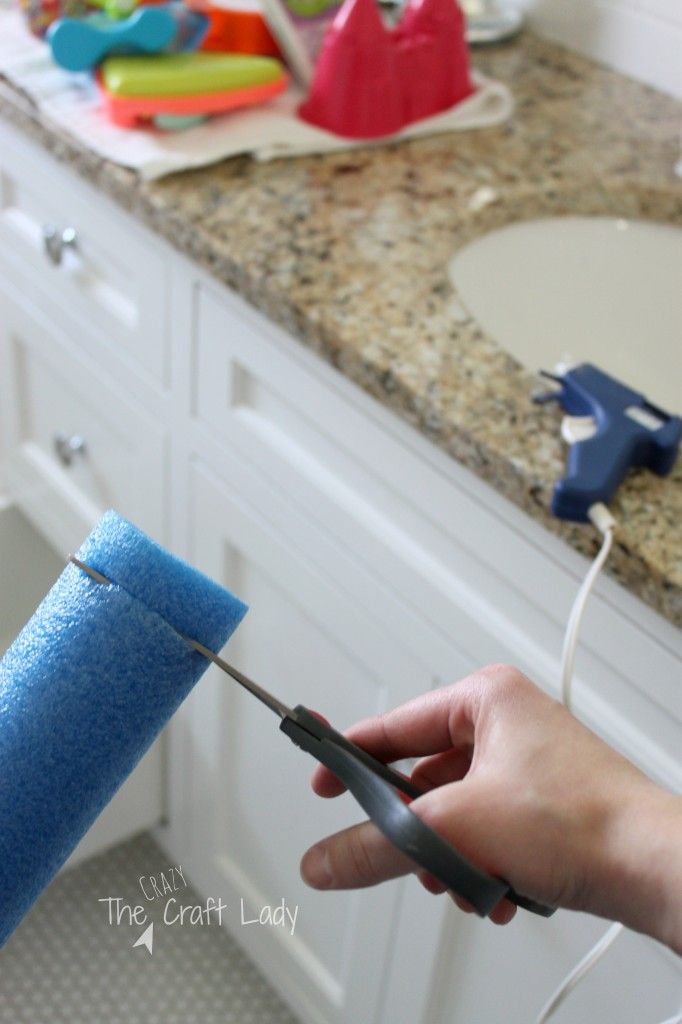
[578, 428]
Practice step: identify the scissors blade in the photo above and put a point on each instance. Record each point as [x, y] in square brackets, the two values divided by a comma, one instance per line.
[267, 698]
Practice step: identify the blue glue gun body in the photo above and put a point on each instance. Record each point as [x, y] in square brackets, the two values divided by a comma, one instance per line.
[612, 428]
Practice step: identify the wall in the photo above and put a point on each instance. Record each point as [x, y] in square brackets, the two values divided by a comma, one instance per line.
[641, 38]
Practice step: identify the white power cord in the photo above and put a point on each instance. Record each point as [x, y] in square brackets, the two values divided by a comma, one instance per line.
[600, 516]
[605, 523]
[578, 972]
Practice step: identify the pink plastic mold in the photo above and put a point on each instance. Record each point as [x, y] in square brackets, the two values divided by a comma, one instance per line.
[371, 81]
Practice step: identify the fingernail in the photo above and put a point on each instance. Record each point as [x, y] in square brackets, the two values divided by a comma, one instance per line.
[315, 868]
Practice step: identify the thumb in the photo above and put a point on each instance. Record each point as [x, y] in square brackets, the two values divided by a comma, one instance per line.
[353, 859]
[362, 855]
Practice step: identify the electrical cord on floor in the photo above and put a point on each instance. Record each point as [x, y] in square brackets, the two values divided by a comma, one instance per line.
[602, 519]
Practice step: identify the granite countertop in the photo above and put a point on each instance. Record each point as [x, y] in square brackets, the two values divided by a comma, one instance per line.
[350, 251]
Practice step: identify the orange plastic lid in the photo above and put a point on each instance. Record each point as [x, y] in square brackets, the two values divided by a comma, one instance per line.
[235, 31]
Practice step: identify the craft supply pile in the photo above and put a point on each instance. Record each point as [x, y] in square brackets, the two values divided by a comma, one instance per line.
[172, 64]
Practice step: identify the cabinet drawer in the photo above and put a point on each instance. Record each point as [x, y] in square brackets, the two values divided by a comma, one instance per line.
[113, 277]
[74, 445]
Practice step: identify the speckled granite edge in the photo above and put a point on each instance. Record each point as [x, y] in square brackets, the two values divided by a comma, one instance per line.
[646, 556]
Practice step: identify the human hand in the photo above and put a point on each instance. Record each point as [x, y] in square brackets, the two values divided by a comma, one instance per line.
[524, 791]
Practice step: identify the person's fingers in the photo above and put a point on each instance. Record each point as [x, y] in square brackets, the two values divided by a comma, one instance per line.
[463, 904]
[361, 855]
[503, 912]
[428, 724]
[353, 859]
[438, 769]
[326, 784]
[500, 914]
[431, 883]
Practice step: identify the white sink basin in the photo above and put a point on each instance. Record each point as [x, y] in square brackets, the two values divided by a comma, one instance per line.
[583, 289]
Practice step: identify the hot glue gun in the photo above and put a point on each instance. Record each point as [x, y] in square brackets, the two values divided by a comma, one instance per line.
[609, 428]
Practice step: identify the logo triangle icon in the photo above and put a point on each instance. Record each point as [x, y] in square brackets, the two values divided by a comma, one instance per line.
[146, 939]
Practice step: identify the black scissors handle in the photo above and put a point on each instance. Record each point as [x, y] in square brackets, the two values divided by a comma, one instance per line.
[374, 786]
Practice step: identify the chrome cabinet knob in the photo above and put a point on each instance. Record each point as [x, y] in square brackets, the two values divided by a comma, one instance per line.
[55, 241]
[67, 448]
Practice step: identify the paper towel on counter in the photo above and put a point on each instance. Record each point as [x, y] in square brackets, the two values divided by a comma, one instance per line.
[71, 104]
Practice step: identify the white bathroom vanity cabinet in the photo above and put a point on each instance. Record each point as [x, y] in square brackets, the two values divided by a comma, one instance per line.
[375, 566]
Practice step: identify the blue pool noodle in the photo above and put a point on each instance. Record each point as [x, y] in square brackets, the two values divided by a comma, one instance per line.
[85, 689]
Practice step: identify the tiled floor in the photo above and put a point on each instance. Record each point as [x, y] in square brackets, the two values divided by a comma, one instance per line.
[66, 964]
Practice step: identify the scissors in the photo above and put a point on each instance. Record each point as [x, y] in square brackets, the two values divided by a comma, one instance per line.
[383, 794]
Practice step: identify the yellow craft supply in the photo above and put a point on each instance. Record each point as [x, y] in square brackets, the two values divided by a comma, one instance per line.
[186, 74]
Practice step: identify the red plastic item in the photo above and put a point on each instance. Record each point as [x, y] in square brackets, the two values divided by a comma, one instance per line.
[371, 81]
[128, 111]
[235, 31]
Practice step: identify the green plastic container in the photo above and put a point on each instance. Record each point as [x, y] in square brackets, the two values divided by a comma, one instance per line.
[186, 74]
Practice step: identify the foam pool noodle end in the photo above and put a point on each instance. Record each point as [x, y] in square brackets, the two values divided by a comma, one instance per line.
[85, 689]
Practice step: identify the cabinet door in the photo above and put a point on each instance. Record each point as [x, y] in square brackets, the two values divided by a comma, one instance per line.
[242, 811]
[482, 968]
[74, 444]
[482, 573]
[46, 393]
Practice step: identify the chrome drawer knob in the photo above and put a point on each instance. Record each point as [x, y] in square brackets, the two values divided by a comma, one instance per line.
[56, 241]
[67, 448]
